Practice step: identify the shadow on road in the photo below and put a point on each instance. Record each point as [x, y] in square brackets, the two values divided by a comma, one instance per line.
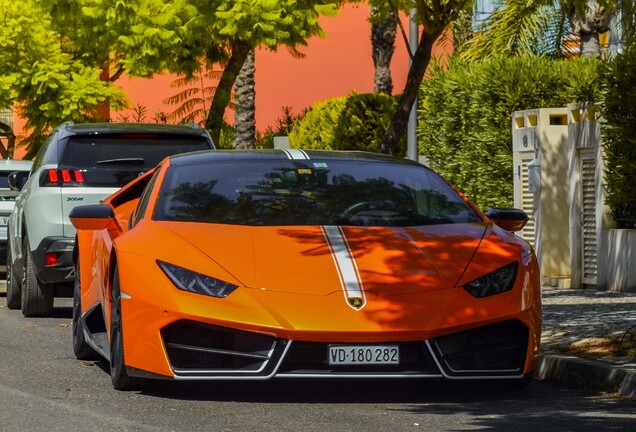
[324, 391]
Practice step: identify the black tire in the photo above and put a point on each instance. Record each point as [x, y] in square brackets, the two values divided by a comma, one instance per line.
[37, 298]
[13, 288]
[81, 348]
[118, 374]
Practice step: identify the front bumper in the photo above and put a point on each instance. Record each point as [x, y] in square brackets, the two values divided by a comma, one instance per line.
[198, 351]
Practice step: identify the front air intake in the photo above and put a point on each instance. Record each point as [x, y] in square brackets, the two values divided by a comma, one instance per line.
[196, 347]
[495, 349]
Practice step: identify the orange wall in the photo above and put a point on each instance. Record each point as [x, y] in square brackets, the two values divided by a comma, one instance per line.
[333, 66]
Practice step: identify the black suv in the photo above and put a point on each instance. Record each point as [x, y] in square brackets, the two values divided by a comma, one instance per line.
[78, 164]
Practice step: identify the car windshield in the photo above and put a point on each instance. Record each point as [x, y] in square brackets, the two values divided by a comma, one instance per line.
[331, 192]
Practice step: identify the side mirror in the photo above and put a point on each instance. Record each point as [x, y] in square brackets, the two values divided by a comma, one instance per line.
[95, 217]
[510, 219]
[17, 180]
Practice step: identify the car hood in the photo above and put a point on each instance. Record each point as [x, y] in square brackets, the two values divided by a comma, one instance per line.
[317, 260]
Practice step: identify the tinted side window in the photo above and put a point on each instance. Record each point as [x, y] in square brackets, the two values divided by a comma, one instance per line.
[4, 184]
[39, 159]
[145, 198]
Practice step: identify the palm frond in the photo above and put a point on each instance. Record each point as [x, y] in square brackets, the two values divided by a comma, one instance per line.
[520, 27]
[194, 100]
[182, 96]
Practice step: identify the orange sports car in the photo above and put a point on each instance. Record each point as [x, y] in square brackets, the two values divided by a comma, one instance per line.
[302, 264]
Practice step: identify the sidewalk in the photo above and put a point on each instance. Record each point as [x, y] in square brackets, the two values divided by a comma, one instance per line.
[572, 316]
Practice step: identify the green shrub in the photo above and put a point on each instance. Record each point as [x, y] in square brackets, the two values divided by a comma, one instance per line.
[226, 137]
[464, 125]
[316, 130]
[618, 79]
[355, 122]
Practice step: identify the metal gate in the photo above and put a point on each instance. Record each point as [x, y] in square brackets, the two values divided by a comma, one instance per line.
[588, 216]
[527, 202]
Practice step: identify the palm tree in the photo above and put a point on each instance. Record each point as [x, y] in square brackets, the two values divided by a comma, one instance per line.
[520, 27]
[462, 29]
[244, 105]
[627, 21]
[383, 31]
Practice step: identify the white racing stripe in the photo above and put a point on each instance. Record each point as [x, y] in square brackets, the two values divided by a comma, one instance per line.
[295, 154]
[346, 266]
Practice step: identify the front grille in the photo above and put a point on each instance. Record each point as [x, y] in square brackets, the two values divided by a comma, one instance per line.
[312, 358]
[495, 349]
[193, 347]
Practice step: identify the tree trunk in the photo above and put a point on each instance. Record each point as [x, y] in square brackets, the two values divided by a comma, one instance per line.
[244, 107]
[6, 130]
[588, 24]
[462, 29]
[383, 46]
[103, 108]
[400, 120]
[590, 44]
[222, 95]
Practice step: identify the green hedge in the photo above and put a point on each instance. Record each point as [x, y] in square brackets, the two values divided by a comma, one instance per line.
[465, 116]
[355, 122]
[618, 79]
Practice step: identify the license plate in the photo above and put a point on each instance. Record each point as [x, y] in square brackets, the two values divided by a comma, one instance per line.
[364, 354]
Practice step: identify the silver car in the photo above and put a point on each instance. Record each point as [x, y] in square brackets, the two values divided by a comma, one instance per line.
[9, 167]
[78, 164]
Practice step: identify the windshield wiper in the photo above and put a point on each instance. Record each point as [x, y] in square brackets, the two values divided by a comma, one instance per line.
[122, 161]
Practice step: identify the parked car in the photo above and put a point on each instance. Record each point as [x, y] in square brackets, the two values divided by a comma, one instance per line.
[78, 164]
[302, 264]
[7, 198]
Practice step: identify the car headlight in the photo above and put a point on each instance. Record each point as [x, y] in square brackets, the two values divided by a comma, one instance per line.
[496, 282]
[188, 280]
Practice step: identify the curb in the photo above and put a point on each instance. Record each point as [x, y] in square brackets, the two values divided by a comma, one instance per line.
[587, 374]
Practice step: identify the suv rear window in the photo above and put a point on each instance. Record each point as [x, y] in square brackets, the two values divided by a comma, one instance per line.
[333, 192]
[93, 151]
[107, 161]
[4, 183]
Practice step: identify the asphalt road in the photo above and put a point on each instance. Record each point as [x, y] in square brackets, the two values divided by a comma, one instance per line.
[44, 388]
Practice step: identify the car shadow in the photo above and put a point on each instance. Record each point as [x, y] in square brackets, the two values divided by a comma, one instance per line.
[288, 390]
[62, 312]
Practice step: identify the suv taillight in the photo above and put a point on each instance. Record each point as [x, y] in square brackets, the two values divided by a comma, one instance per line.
[62, 177]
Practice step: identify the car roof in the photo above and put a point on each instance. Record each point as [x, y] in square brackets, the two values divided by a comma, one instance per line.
[159, 128]
[16, 165]
[211, 156]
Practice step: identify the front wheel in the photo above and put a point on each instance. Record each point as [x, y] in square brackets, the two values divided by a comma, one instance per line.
[118, 374]
[37, 298]
[13, 289]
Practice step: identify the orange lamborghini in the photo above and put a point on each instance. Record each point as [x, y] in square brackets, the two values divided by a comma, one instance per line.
[302, 264]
